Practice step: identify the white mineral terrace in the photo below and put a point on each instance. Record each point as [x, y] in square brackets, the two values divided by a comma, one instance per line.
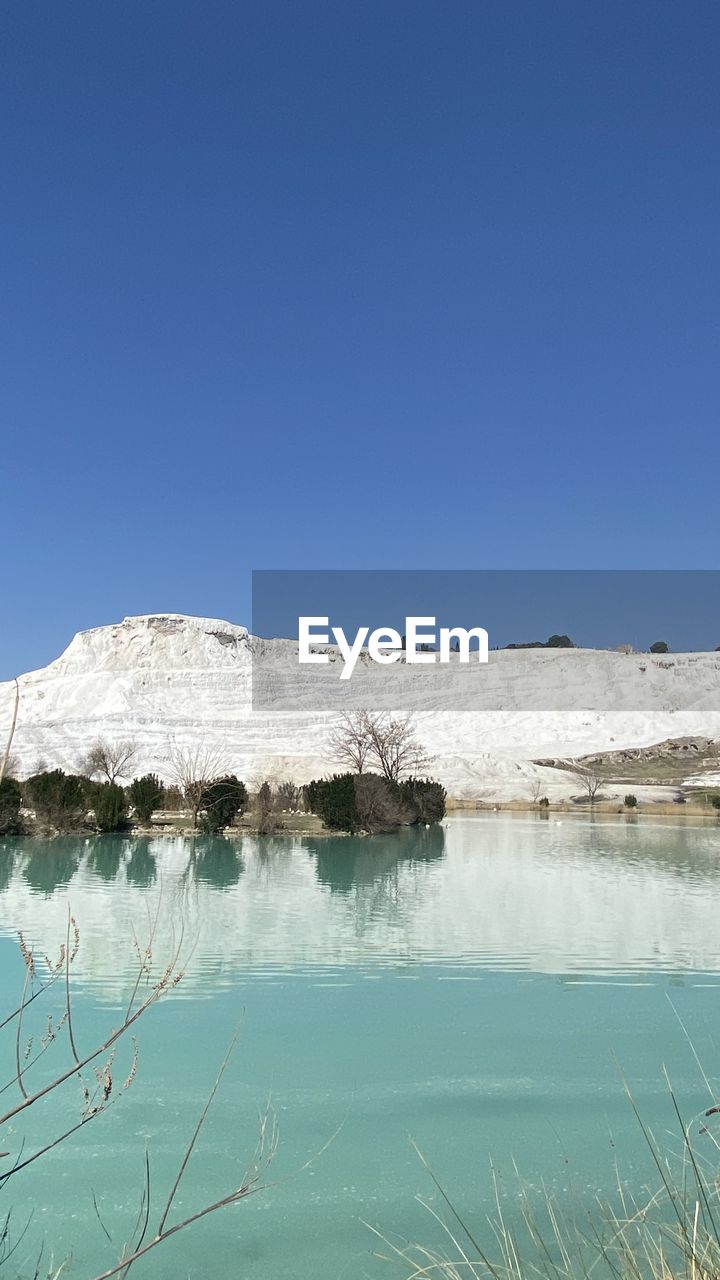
[166, 678]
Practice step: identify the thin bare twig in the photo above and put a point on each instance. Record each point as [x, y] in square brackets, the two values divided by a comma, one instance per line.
[198, 1127]
[11, 735]
[169, 980]
[71, 1037]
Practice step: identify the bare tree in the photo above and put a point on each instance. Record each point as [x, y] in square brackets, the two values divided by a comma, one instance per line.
[111, 760]
[350, 741]
[537, 787]
[193, 768]
[6, 754]
[287, 795]
[590, 781]
[394, 747]
[386, 743]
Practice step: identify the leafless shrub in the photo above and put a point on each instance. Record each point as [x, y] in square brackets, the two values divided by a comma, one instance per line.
[172, 799]
[193, 768]
[273, 794]
[287, 796]
[110, 760]
[263, 809]
[379, 809]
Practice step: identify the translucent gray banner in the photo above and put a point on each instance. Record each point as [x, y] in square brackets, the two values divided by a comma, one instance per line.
[493, 640]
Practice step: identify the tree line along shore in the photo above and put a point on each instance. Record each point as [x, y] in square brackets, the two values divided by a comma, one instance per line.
[379, 785]
[380, 781]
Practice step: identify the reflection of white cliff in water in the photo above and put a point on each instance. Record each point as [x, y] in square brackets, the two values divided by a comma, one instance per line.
[496, 892]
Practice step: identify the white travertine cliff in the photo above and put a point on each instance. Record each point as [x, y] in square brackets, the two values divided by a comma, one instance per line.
[167, 678]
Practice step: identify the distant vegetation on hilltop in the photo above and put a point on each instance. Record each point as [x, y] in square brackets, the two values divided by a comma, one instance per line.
[553, 642]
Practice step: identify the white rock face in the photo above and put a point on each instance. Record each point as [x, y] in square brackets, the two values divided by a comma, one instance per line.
[165, 678]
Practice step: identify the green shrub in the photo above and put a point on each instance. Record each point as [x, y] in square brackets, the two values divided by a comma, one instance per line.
[146, 795]
[659, 647]
[58, 799]
[109, 803]
[630, 802]
[425, 797]
[367, 802]
[715, 800]
[10, 801]
[222, 800]
[333, 800]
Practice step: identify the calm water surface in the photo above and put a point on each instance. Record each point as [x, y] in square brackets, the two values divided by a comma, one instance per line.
[478, 986]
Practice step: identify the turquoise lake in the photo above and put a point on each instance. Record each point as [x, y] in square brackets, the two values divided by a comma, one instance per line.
[480, 987]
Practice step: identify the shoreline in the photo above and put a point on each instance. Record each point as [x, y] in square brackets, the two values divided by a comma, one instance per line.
[670, 815]
[605, 808]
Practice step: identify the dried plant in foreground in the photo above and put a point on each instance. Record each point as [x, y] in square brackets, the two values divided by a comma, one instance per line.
[94, 1068]
[674, 1234]
[102, 1090]
[142, 1242]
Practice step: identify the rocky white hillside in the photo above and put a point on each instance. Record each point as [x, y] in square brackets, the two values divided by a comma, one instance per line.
[168, 678]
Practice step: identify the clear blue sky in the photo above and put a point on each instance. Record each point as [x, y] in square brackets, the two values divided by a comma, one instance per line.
[373, 284]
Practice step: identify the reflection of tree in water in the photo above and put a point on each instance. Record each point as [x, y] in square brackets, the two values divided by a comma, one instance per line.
[7, 866]
[52, 863]
[106, 854]
[273, 856]
[141, 868]
[348, 862]
[217, 862]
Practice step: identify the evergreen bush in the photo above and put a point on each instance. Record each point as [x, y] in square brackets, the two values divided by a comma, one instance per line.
[109, 803]
[425, 797]
[57, 798]
[10, 801]
[222, 800]
[146, 796]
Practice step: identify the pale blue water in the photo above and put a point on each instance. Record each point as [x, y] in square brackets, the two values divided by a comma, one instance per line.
[477, 987]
